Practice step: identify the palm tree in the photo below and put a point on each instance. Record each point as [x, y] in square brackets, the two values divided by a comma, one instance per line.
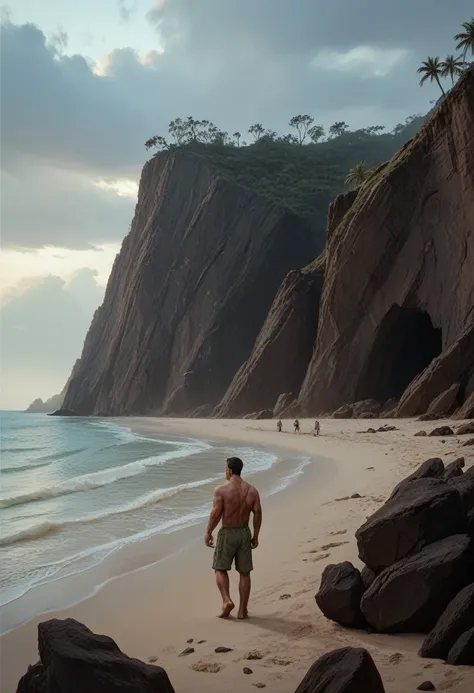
[431, 69]
[358, 174]
[452, 67]
[465, 38]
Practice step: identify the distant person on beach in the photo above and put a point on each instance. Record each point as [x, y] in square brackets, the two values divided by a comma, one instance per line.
[317, 428]
[297, 426]
[233, 504]
[279, 426]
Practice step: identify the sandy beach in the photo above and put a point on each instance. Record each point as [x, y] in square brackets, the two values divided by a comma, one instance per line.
[154, 612]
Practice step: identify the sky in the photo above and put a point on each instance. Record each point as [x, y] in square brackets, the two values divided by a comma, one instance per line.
[83, 85]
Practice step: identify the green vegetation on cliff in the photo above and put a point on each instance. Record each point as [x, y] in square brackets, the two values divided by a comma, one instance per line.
[301, 177]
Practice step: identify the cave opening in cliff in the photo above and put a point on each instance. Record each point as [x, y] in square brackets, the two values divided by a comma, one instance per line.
[405, 345]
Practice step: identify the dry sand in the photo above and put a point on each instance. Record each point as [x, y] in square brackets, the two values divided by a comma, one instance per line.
[154, 612]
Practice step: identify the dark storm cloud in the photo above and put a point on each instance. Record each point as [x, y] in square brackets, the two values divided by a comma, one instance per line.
[235, 62]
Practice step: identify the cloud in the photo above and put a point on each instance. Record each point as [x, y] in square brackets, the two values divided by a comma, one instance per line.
[73, 131]
[44, 322]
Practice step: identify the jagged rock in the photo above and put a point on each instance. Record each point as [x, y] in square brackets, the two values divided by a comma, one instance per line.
[429, 417]
[462, 652]
[368, 576]
[465, 429]
[453, 622]
[265, 414]
[74, 660]
[283, 348]
[389, 406]
[392, 279]
[454, 468]
[63, 412]
[411, 595]
[421, 433]
[344, 412]
[468, 443]
[56, 401]
[433, 468]
[442, 431]
[189, 291]
[409, 521]
[366, 406]
[465, 486]
[348, 670]
[339, 594]
[467, 409]
[283, 402]
[445, 403]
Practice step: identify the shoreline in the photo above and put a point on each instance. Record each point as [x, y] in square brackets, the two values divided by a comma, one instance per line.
[152, 611]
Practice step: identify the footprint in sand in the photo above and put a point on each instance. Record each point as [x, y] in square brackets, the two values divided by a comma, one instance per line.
[320, 557]
[255, 654]
[208, 667]
[302, 631]
[279, 661]
[153, 659]
[333, 545]
[335, 534]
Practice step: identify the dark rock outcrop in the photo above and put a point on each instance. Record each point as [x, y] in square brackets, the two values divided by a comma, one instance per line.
[467, 409]
[465, 486]
[442, 431]
[454, 468]
[462, 652]
[453, 622]
[411, 595]
[339, 594]
[429, 469]
[283, 403]
[365, 407]
[445, 403]
[283, 348]
[409, 521]
[73, 659]
[188, 293]
[465, 429]
[349, 670]
[368, 576]
[344, 412]
[63, 412]
[397, 263]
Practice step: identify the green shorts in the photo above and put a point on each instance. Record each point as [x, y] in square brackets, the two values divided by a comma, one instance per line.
[233, 543]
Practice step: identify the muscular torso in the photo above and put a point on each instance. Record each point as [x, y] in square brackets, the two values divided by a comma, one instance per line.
[238, 500]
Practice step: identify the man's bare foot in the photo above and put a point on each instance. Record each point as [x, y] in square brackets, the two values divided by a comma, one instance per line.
[227, 607]
[242, 615]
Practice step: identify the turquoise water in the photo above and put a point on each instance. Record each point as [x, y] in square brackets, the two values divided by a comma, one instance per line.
[73, 491]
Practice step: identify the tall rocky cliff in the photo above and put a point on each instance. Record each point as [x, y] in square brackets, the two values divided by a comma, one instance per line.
[188, 293]
[399, 281]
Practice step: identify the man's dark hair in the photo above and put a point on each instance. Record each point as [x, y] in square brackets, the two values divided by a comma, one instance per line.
[235, 465]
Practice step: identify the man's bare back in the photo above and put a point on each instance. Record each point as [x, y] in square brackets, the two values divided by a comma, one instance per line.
[233, 504]
[239, 499]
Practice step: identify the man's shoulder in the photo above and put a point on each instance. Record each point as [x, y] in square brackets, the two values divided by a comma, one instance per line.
[220, 489]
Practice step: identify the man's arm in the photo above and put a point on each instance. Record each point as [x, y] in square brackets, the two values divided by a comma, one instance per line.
[214, 517]
[257, 519]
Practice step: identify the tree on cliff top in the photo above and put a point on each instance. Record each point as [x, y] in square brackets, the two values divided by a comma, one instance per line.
[465, 38]
[432, 70]
[358, 174]
[452, 67]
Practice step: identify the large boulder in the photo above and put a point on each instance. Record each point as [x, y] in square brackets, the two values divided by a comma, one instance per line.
[344, 412]
[349, 670]
[465, 429]
[429, 469]
[453, 622]
[442, 431]
[465, 486]
[368, 576]
[411, 595]
[409, 521]
[462, 652]
[366, 406]
[467, 409]
[76, 660]
[454, 468]
[339, 594]
[445, 403]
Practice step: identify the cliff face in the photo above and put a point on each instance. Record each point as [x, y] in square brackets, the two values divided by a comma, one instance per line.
[283, 348]
[188, 292]
[399, 286]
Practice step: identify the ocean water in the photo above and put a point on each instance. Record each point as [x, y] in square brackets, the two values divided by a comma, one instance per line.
[74, 491]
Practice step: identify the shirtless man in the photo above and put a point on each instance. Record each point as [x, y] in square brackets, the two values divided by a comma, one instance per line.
[233, 504]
